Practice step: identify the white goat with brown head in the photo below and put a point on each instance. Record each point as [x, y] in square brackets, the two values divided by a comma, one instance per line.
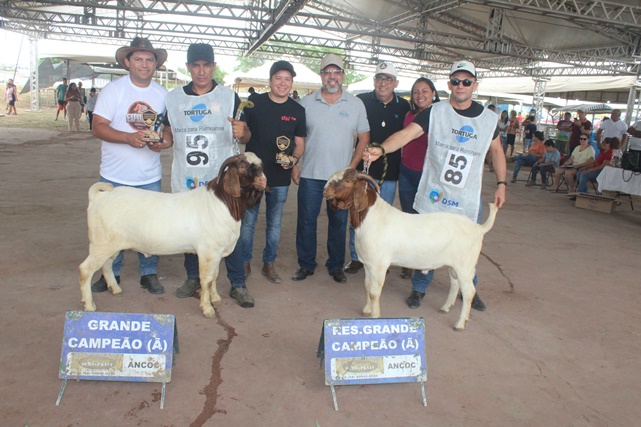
[386, 236]
[205, 221]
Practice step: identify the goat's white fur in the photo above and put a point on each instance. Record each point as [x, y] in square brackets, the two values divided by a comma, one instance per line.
[160, 224]
[388, 236]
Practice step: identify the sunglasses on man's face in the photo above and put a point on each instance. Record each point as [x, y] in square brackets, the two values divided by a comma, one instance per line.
[466, 82]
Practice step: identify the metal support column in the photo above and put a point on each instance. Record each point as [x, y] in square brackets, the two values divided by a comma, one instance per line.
[34, 90]
[539, 94]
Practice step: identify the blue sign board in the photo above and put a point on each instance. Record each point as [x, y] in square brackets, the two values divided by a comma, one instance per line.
[117, 347]
[373, 351]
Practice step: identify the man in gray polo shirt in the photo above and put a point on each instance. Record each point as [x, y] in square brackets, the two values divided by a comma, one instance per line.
[334, 118]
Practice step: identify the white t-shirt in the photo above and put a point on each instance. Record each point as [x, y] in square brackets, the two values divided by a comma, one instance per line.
[130, 108]
[635, 142]
[613, 129]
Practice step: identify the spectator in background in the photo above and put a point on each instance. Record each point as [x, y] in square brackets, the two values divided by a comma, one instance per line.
[614, 128]
[91, 105]
[529, 127]
[413, 154]
[11, 96]
[548, 163]
[534, 153]
[60, 93]
[635, 136]
[580, 126]
[512, 131]
[582, 156]
[72, 97]
[295, 96]
[503, 125]
[563, 128]
[83, 98]
[252, 94]
[593, 169]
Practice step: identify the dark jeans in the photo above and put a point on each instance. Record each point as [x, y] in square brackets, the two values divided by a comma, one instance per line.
[408, 181]
[544, 173]
[310, 198]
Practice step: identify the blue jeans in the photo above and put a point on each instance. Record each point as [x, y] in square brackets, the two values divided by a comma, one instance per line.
[233, 262]
[544, 173]
[388, 192]
[584, 178]
[526, 144]
[145, 265]
[521, 160]
[275, 202]
[310, 198]
[421, 281]
[408, 181]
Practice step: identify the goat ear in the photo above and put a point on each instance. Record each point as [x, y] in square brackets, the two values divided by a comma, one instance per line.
[360, 195]
[231, 182]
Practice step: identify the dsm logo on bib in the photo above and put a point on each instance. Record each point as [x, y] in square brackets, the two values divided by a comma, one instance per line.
[464, 134]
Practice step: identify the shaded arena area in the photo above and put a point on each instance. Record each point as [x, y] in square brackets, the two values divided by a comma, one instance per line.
[558, 345]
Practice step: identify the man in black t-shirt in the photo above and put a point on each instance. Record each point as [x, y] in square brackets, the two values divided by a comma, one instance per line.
[278, 131]
[385, 114]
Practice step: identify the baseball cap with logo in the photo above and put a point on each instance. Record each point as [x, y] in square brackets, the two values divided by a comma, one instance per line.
[463, 66]
[386, 68]
[332, 59]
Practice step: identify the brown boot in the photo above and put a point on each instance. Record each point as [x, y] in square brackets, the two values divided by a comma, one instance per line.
[248, 270]
[406, 273]
[269, 271]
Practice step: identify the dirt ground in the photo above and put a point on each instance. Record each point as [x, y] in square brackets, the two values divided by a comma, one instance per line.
[559, 344]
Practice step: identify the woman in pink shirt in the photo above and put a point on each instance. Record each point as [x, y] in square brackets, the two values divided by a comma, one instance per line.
[413, 155]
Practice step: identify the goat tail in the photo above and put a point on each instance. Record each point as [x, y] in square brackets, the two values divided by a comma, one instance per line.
[97, 188]
[489, 222]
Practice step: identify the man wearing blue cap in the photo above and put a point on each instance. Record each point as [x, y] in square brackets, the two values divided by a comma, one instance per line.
[200, 115]
[278, 129]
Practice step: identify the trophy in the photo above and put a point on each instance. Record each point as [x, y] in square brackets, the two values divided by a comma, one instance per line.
[154, 123]
[283, 157]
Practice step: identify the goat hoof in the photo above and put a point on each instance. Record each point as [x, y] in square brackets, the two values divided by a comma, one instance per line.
[90, 307]
[209, 312]
[444, 310]
[215, 299]
[116, 291]
[459, 327]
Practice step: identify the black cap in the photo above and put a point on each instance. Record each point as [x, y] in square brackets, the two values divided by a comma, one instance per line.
[200, 51]
[281, 65]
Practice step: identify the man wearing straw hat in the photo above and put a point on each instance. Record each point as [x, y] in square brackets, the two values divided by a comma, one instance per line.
[127, 119]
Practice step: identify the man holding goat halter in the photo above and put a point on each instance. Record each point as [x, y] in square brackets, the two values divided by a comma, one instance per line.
[461, 134]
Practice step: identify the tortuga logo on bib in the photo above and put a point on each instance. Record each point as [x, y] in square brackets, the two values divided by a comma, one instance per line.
[198, 112]
[464, 134]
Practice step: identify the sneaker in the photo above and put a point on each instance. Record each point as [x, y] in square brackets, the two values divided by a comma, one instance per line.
[513, 180]
[241, 295]
[152, 284]
[544, 186]
[530, 184]
[188, 288]
[353, 266]
[415, 298]
[270, 273]
[100, 285]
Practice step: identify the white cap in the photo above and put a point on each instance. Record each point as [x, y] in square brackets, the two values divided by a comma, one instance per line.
[463, 66]
[386, 68]
[332, 59]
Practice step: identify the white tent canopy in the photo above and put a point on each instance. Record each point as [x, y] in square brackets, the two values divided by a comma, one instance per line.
[258, 77]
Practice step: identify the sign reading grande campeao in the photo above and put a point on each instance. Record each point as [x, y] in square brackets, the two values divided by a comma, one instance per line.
[117, 347]
[372, 351]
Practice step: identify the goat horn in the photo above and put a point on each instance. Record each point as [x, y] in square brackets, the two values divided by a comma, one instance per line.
[226, 163]
[371, 180]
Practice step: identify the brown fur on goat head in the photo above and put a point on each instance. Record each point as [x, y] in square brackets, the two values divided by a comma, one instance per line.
[239, 185]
